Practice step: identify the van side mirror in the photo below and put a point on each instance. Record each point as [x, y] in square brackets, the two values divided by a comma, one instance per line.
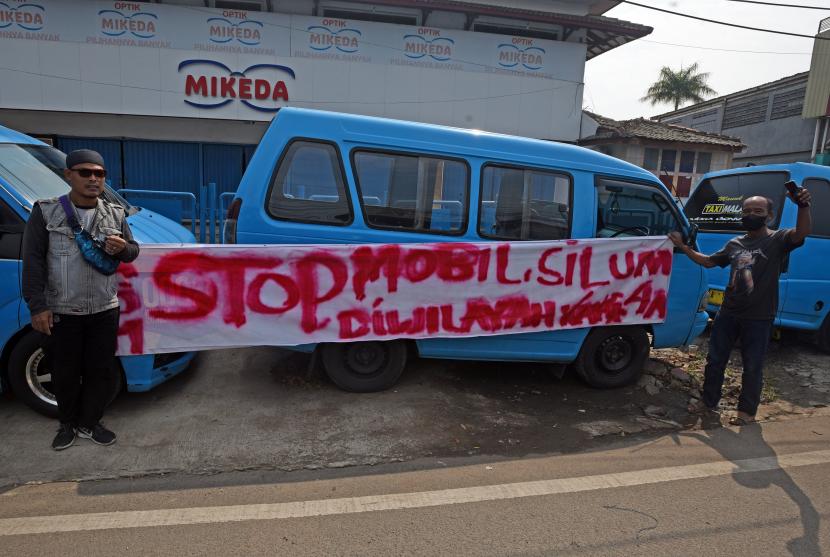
[691, 240]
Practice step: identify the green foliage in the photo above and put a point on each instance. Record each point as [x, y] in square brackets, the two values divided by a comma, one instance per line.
[678, 87]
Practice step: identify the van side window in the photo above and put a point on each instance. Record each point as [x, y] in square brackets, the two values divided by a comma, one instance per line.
[11, 233]
[820, 191]
[411, 192]
[309, 186]
[626, 209]
[524, 204]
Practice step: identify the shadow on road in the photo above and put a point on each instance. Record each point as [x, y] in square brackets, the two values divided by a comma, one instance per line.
[732, 444]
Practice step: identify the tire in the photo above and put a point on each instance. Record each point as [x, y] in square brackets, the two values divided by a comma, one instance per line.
[364, 367]
[824, 335]
[612, 357]
[30, 376]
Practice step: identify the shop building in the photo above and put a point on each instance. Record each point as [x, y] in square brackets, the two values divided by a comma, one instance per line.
[178, 92]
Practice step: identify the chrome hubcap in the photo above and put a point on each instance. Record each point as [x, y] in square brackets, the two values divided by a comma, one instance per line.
[39, 377]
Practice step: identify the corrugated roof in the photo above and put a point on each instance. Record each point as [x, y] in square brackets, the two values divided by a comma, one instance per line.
[784, 81]
[642, 128]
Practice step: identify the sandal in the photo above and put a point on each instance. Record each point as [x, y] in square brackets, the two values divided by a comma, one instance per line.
[699, 407]
[741, 420]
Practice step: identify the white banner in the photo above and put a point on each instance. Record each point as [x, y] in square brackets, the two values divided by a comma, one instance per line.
[198, 297]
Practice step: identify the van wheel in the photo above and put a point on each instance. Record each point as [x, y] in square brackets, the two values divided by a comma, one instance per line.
[364, 367]
[612, 357]
[30, 376]
[824, 335]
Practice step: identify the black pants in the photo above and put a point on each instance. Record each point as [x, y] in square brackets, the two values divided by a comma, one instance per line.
[754, 337]
[82, 350]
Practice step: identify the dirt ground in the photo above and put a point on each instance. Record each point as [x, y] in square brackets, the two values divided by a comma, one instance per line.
[258, 409]
[796, 382]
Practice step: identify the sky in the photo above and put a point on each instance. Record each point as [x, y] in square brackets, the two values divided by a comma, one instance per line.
[615, 81]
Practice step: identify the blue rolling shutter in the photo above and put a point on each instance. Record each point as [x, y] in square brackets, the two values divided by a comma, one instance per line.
[162, 165]
[110, 149]
[223, 166]
[249, 153]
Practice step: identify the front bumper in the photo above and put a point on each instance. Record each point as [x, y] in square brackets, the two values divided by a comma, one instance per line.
[699, 325]
[144, 372]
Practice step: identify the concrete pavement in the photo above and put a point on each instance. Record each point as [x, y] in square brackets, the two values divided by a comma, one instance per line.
[756, 490]
[256, 409]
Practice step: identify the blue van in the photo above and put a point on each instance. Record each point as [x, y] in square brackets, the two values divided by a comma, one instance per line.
[323, 177]
[32, 170]
[715, 208]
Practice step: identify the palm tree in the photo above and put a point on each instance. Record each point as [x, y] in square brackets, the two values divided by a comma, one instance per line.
[679, 86]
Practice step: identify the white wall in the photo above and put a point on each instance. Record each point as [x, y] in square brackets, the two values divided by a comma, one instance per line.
[130, 58]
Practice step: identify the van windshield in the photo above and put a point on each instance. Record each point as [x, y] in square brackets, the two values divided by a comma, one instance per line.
[28, 175]
[36, 172]
[716, 203]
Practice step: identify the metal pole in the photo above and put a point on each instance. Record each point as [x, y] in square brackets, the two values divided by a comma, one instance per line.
[212, 211]
[815, 139]
[202, 205]
[202, 210]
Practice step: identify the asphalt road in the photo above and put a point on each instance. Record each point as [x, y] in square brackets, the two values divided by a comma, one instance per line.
[756, 490]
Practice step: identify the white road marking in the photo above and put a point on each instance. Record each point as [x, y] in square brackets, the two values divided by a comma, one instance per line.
[397, 501]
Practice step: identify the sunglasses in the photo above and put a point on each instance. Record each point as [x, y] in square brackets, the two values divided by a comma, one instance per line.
[87, 172]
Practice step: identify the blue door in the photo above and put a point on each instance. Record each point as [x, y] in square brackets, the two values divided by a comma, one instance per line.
[628, 209]
[11, 238]
[806, 298]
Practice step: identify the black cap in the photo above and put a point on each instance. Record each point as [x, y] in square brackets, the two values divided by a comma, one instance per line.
[84, 156]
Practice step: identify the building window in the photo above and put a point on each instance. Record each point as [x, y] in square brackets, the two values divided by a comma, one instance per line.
[524, 204]
[668, 162]
[409, 192]
[684, 185]
[687, 162]
[516, 31]
[745, 113]
[309, 186]
[239, 5]
[789, 103]
[704, 162]
[651, 158]
[369, 12]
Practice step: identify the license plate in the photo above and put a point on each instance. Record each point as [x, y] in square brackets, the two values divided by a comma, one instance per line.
[716, 297]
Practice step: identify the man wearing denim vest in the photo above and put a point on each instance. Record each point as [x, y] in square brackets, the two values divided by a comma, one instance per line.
[72, 302]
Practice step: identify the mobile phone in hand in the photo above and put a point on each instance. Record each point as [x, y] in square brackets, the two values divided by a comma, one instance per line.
[794, 190]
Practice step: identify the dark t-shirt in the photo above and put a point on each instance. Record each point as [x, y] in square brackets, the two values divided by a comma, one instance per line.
[756, 264]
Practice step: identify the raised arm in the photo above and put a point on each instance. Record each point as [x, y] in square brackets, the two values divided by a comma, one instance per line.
[695, 256]
[804, 222]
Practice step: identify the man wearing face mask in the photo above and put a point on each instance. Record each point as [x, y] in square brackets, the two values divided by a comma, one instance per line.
[750, 301]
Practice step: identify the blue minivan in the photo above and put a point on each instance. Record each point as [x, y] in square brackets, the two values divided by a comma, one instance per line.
[322, 177]
[32, 170]
[715, 208]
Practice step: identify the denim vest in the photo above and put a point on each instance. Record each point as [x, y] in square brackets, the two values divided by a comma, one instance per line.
[74, 287]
